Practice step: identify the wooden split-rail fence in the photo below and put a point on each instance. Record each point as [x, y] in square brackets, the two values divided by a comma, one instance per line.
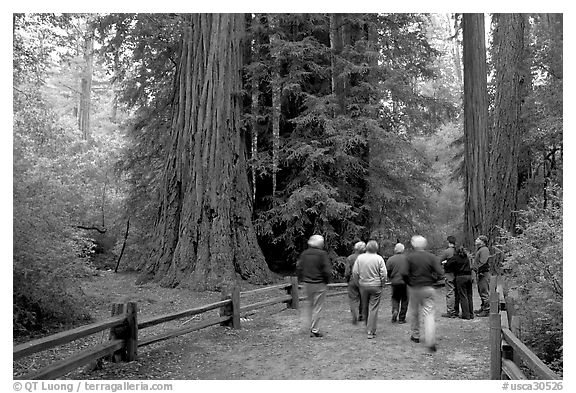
[124, 327]
[507, 352]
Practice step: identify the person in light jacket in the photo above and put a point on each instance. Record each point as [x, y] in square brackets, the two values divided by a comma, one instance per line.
[370, 270]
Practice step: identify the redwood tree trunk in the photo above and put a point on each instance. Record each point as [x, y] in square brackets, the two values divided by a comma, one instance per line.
[508, 51]
[475, 126]
[204, 235]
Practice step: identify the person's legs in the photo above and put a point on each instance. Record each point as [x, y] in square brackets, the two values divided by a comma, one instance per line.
[461, 282]
[484, 292]
[403, 303]
[354, 300]
[396, 297]
[414, 294]
[457, 301]
[373, 306]
[468, 288]
[450, 295]
[318, 296]
[364, 298]
[428, 316]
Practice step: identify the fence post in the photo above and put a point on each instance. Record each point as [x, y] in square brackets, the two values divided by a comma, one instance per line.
[515, 329]
[233, 309]
[132, 332]
[511, 308]
[293, 291]
[495, 338]
[235, 296]
[117, 332]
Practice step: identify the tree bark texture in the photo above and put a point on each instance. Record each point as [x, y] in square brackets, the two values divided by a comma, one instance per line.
[475, 126]
[509, 70]
[205, 237]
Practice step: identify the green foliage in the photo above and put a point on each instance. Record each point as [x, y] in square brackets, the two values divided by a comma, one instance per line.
[61, 181]
[48, 249]
[534, 268]
[348, 168]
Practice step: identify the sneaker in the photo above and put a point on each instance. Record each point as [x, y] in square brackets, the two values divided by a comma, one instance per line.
[370, 336]
[432, 348]
[394, 317]
[316, 334]
[415, 339]
[484, 313]
[401, 321]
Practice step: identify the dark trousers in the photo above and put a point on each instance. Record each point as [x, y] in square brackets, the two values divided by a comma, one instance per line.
[451, 294]
[354, 299]
[399, 301]
[484, 290]
[464, 288]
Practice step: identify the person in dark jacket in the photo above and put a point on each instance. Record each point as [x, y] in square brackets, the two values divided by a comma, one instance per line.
[460, 265]
[394, 267]
[313, 270]
[353, 286]
[482, 268]
[422, 272]
[452, 308]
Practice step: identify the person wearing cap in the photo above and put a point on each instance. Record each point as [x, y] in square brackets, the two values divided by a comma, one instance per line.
[313, 270]
[452, 308]
[481, 267]
[423, 270]
[394, 266]
[370, 270]
[353, 286]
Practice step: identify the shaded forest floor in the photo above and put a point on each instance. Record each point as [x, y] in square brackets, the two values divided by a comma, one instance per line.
[273, 344]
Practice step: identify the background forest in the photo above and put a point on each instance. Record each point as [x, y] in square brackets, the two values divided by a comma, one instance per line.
[353, 127]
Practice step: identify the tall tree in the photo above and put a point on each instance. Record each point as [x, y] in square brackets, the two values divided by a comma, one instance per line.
[505, 136]
[86, 79]
[204, 234]
[475, 126]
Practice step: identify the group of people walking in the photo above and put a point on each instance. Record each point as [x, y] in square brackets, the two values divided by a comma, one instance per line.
[413, 278]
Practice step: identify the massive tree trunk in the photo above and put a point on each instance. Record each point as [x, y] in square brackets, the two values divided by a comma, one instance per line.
[475, 126]
[204, 235]
[509, 70]
[86, 81]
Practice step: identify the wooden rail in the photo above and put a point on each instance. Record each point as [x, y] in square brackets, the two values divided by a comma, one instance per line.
[54, 340]
[507, 352]
[124, 328]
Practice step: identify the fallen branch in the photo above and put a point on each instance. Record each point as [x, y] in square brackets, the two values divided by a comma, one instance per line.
[92, 228]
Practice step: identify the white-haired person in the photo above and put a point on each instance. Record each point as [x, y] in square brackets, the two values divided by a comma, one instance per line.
[370, 270]
[313, 269]
[422, 272]
[395, 265]
[353, 286]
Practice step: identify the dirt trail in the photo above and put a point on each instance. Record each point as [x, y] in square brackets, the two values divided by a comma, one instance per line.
[273, 345]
